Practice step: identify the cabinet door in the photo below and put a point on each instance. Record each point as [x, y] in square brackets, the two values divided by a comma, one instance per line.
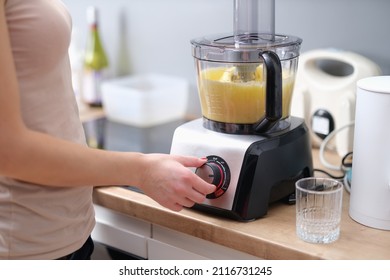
[121, 232]
[170, 244]
[162, 251]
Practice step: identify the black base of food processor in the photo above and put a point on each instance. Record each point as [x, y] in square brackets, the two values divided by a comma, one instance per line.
[261, 169]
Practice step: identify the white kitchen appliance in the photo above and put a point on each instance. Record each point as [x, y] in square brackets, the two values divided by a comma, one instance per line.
[325, 93]
[370, 186]
[256, 151]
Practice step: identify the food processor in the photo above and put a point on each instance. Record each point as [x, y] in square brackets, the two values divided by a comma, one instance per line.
[255, 150]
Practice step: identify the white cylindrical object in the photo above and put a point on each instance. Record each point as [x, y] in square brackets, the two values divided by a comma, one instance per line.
[370, 186]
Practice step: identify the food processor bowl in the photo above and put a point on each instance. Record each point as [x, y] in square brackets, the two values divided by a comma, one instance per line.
[236, 85]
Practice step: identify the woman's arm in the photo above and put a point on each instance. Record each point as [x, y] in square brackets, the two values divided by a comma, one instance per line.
[40, 158]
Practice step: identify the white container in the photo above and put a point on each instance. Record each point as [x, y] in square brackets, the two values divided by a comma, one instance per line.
[145, 100]
[370, 185]
[325, 93]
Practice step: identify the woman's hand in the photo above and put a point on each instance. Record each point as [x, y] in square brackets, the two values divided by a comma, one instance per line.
[168, 180]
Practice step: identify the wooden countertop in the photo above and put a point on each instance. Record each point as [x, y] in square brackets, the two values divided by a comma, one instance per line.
[271, 237]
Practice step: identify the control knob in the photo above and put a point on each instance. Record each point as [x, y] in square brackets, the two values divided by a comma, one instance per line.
[215, 171]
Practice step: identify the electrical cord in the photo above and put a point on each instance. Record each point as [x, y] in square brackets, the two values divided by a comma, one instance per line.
[347, 181]
[346, 166]
[325, 143]
[329, 174]
[346, 163]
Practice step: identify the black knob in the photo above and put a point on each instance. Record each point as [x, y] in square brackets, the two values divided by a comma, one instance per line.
[211, 173]
[215, 171]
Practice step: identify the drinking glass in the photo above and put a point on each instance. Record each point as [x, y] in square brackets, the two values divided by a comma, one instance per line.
[318, 209]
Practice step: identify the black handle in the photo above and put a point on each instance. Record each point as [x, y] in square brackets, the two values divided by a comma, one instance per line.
[274, 92]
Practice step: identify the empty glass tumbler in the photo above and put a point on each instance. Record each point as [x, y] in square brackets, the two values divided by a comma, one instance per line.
[318, 209]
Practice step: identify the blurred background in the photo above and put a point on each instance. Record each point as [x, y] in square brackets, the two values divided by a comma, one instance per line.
[153, 36]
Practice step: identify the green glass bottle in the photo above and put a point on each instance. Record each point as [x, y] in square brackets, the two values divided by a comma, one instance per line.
[95, 62]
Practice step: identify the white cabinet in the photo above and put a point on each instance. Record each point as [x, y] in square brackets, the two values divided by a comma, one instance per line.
[121, 231]
[170, 244]
[158, 250]
[150, 241]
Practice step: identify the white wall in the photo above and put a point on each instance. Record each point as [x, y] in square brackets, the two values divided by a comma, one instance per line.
[153, 35]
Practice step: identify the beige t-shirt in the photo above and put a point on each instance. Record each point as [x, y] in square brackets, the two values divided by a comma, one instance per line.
[41, 222]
